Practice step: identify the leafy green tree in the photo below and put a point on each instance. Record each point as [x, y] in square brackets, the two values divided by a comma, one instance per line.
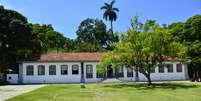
[70, 45]
[49, 38]
[17, 42]
[91, 35]
[189, 34]
[110, 13]
[194, 54]
[192, 28]
[136, 24]
[150, 25]
[188, 31]
[177, 31]
[112, 39]
[192, 37]
[144, 51]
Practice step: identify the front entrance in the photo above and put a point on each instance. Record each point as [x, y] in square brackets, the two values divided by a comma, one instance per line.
[115, 73]
[110, 72]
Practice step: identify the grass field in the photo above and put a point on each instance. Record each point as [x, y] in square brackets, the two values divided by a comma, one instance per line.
[115, 92]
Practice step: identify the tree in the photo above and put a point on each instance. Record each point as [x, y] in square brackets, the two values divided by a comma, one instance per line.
[189, 34]
[50, 39]
[136, 24]
[17, 42]
[192, 29]
[192, 37]
[177, 31]
[194, 54]
[92, 35]
[70, 45]
[110, 13]
[144, 51]
[150, 25]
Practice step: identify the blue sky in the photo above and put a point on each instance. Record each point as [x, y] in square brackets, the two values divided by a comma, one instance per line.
[65, 15]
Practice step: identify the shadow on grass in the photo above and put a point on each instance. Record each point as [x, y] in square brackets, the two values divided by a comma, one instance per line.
[144, 86]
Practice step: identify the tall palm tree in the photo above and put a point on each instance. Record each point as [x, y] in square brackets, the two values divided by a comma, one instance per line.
[110, 13]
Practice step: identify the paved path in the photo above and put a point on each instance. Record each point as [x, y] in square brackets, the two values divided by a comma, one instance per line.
[112, 80]
[9, 91]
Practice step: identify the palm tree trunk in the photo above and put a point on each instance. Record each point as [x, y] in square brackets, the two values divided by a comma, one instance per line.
[111, 23]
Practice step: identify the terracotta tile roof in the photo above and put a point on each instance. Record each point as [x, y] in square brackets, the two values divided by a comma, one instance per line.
[71, 57]
[87, 57]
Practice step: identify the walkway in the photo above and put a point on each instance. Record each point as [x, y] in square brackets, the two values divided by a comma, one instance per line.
[111, 80]
[10, 91]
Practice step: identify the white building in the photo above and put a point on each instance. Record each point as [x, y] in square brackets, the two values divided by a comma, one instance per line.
[79, 67]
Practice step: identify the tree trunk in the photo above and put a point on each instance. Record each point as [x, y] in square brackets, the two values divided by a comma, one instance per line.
[149, 80]
[112, 28]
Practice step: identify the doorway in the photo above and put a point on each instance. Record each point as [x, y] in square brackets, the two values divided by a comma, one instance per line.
[110, 72]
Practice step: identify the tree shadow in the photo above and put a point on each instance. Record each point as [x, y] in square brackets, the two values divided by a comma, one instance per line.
[144, 86]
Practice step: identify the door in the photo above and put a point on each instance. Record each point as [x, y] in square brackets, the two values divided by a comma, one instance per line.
[110, 72]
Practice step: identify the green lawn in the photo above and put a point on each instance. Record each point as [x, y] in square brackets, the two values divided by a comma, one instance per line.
[115, 92]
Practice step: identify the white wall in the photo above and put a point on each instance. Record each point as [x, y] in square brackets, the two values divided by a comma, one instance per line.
[12, 78]
[167, 76]
[58, 78]
[69, 78]
[94, 79]
[125, 78]
[160, 76]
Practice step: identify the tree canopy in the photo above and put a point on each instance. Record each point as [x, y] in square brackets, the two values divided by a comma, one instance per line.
[50, 39]
[17, 42]
[92, 36]
[110, 13]
[189, 34]
[144, 51]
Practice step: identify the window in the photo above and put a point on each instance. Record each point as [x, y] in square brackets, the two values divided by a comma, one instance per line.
[30, 70]
[64, 69]
[170, 68]
[41, 70]
[89, 71]
[120, 71]
[161, 69]
[129, 72]
[52, 70]
[179, 67]
[75, 69]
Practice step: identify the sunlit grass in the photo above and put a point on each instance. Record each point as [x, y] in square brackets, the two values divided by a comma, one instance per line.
[115, 92]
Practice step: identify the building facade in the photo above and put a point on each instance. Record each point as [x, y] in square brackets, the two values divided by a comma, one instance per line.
[81, 67]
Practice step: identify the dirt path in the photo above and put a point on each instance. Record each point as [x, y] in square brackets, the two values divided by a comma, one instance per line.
[10, 91]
